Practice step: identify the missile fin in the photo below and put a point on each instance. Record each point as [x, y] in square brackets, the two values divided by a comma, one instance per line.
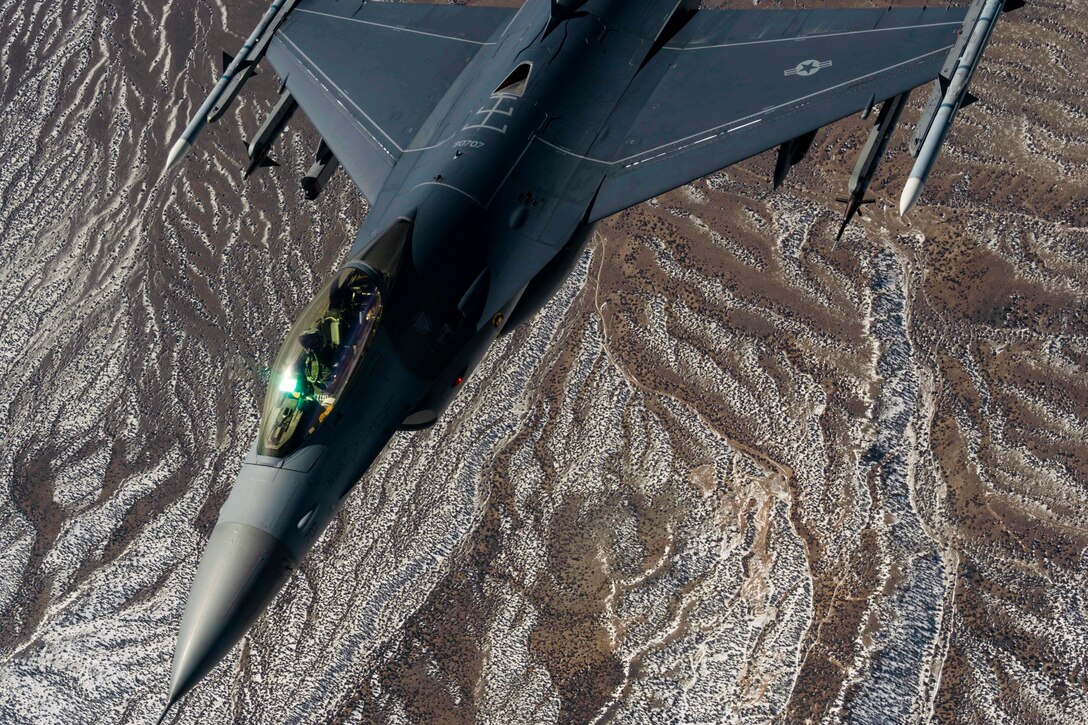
[242, 64]
[968, 99]
[262, 163]
[1011, 5]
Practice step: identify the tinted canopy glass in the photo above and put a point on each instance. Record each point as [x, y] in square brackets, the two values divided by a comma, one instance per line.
[322, 350]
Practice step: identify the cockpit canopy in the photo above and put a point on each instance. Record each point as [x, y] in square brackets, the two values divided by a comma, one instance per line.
[327, 343]
[322, 350]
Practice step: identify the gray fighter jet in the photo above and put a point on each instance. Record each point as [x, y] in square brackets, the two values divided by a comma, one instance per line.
[488, 142]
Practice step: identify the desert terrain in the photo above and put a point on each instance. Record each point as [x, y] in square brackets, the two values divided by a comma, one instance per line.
[731, 473]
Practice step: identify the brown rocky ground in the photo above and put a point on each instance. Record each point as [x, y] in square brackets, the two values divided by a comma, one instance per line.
[730, 474]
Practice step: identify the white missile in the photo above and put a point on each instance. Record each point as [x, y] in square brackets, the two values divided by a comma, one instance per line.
[241, 63]
[953, 98]
[177, 153]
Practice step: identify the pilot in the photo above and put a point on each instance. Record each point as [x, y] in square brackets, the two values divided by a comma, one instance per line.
[315, 360]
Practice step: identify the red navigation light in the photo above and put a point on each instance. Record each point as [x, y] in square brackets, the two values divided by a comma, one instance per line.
[460, 378]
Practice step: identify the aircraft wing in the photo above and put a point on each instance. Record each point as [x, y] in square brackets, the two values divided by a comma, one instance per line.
[369, 75]
[733, 83]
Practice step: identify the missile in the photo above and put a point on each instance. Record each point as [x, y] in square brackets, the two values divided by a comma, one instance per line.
[241, 65]
[870, 157]
[954, 96]
[270, 131]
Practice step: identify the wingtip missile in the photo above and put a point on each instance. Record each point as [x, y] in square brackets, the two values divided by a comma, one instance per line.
[911, 191]
[952, 95]
[177, 154]
[235, 73]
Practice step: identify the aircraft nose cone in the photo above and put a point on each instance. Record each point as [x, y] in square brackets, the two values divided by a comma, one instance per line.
[242, 569]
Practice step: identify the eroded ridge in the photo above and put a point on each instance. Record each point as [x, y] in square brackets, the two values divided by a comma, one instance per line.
[729, 475]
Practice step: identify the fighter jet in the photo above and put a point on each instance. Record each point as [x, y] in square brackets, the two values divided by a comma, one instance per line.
[489, 141]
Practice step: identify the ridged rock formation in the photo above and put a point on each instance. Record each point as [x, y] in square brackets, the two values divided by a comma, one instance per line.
[730, 474]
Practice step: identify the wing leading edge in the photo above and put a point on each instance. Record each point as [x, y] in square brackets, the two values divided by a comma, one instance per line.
[732, 84]
[370, 75]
